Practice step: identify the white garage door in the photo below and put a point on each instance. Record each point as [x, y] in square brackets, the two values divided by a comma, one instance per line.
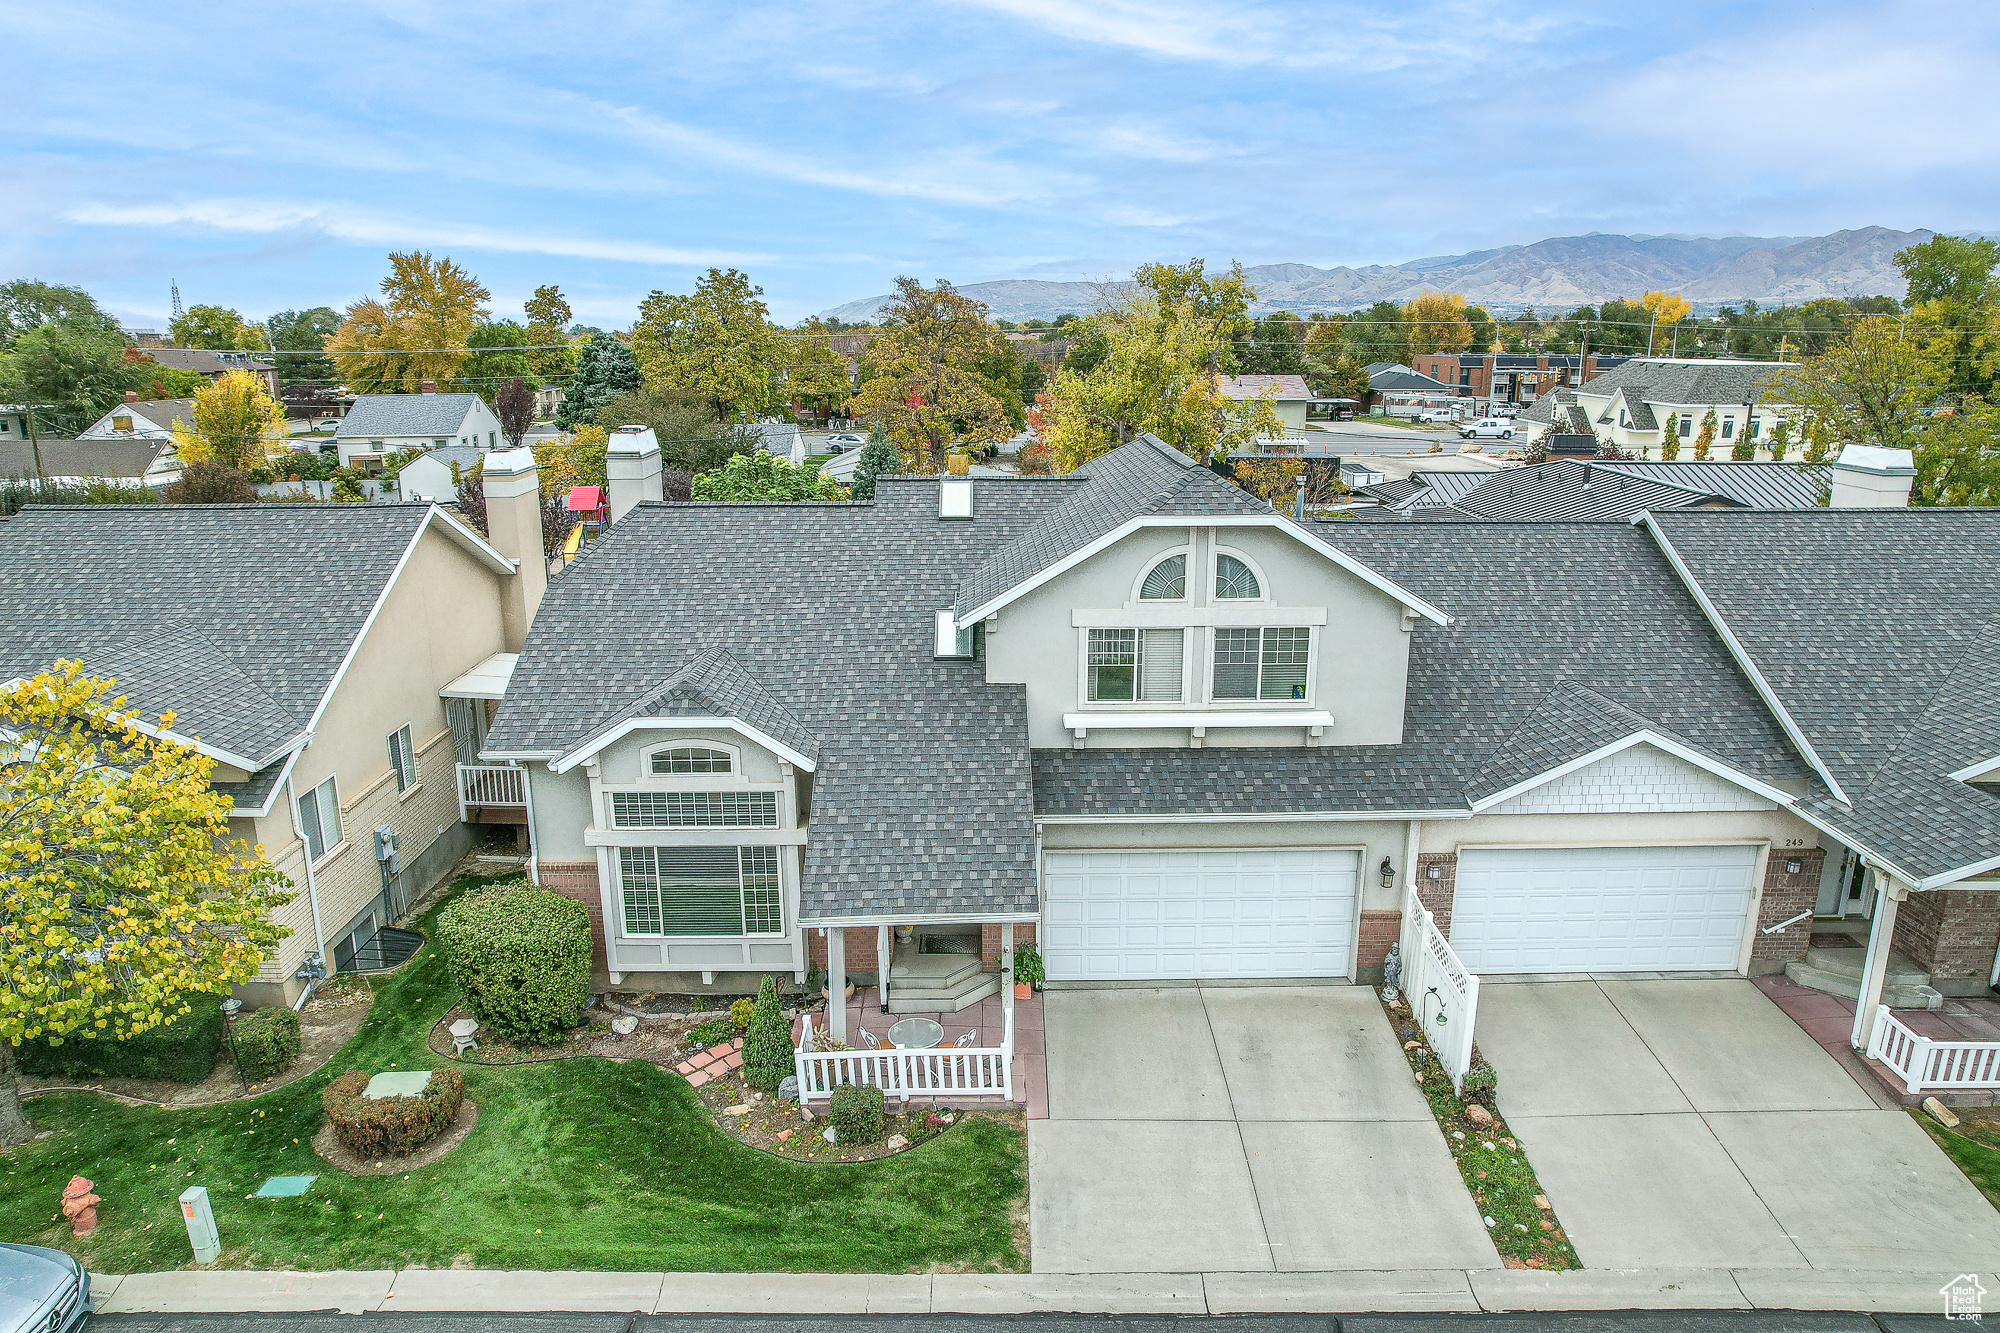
[1159, 916]
[1602, 909]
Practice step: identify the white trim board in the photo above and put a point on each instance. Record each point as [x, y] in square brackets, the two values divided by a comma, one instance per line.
[597, 744]
[1643, 736]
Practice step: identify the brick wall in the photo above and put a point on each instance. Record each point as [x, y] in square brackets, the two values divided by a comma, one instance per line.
[1785, 896]
[989, 940]
[1436, 894]
[1951, 933]
[860, 950]
[578, 880]
[1379, 930]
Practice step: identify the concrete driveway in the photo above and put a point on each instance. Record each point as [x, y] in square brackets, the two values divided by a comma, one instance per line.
[1201, 1129]
[1693, 1124]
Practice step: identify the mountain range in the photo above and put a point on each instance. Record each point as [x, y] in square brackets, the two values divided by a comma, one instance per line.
[1552, 275]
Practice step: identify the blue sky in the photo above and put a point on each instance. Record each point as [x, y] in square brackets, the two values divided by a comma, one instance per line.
[269, 156]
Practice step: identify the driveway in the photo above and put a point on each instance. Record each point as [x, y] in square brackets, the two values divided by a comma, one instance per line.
[1693, 1124]
[1201, 1129]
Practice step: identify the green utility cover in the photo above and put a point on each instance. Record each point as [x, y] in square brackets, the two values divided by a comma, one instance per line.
[402, 1083]
[285, 1187]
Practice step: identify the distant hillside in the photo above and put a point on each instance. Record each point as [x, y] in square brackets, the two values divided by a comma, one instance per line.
[1555, 274]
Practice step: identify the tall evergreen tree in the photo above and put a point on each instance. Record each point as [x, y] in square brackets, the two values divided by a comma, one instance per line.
[605, 368]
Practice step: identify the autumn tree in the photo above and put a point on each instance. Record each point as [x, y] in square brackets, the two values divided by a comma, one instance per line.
[1343, 377]
[717, 343]
[1214, 306]
[814, 374]
[549, 320]
[605, 368]
[1958, 459]
[514, 404]
[496, 357]
[1437, 322]
[691, 439]
[236, 423]
[921, 375]
[215, 328]
[417, 329]
[1665, 310]
[1873, 388]
[1705, 439]
[121, 894]
[1954, 299]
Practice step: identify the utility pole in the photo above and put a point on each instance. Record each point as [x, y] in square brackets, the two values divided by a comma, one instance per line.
[1651, 329]
[35, 445]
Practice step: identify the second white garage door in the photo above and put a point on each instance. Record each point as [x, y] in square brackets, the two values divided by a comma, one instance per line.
[1165, 916]
[1602, 909]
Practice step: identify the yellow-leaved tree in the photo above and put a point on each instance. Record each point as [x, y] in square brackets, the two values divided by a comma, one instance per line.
[236, 423]
[1438, 322]
[416, 332]
[121, 895]
[921, 379]
[1667, 310]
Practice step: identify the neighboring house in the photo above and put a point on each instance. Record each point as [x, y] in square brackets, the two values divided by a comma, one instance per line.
[1173, 735]
[1577, 490]
[217, 364]
[781, 438]
[1398, 391]
[14, 423]
[127, 462]
[385, 423]
[322, 681]
[428, 475]
[547, 399]
[142, 419]
[1511, 377]
[1288, 395]
[1639, 404]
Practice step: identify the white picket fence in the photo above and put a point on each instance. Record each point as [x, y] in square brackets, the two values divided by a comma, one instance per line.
[1926, 1064]
[491, 784]
[1443, 992]
[941, 1071]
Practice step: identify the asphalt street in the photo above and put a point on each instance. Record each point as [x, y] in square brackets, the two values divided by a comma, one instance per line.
[1634, 1321]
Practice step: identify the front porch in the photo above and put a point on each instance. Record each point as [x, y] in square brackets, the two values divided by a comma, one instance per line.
[986, 1021]
[1829, 1020]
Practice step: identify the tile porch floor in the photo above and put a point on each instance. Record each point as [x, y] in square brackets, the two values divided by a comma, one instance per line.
[1828, 1019]
[1031, 1078]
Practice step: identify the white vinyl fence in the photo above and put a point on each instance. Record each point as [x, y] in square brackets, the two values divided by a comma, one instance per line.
[941, 1071]
[1924, 1063]
[491, 785]
[1444, 993]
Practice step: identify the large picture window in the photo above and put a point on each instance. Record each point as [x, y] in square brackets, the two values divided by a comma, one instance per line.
[694, 809]
[701, 890]
[1262, 664]
[1131, 664]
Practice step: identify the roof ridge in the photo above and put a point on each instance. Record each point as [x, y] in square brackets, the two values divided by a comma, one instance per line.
[1946, 679]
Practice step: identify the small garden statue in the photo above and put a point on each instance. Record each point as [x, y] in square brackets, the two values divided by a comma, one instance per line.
[1392, 973]
[79, 1205]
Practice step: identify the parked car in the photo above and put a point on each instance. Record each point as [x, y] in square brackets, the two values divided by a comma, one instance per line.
[1487, 428]
[1507, 410]
[847, 440]
[1437, 416]
[41, 1290]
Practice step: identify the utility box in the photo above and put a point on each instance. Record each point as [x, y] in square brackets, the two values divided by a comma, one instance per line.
[386, 848]
[200, 1224]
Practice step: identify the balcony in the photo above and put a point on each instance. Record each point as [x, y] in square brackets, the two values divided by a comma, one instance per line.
[492, 794]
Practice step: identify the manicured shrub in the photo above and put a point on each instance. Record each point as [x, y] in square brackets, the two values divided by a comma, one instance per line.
[265, 1043]
[391, 1126]
[520, 957]
[739, 1012]
[856, 1114]
[713, 1031]
[767, 1046]
[1482, 1081]
[183, 1051]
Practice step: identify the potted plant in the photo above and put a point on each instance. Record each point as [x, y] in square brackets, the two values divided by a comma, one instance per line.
[1028, 971]
[818, 980]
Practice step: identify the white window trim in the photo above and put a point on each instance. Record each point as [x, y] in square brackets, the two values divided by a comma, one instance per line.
[1313, 637]
[608, 821]
[733, 778]
[618, 897]
[334, 848]
[403, 746]
[1215, 554]
[1187, 583]
[1189, 637]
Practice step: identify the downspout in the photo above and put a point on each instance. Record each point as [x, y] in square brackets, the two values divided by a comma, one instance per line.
[312, 890]
[534, 857]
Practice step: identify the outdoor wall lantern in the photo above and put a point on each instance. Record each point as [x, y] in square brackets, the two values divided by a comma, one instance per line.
[1388, 874]
[1433, 872]
[1794, 866]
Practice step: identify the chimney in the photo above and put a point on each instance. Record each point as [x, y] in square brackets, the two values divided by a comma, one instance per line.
[1867, 476]
[514, 525]
[428, 386]
[131, 397]
[632, 469]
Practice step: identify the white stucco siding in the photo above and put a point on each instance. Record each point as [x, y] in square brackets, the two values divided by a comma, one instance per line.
[1642, 779]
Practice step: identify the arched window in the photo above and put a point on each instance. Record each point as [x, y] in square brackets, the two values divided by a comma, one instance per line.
[1234, 579]
[1167, 581]
[691, 759]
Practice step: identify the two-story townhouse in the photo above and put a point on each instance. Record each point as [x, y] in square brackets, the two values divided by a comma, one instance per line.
[1134, 714]
[217, 364]
[1641, 404]
[320, 655]
[385, 423]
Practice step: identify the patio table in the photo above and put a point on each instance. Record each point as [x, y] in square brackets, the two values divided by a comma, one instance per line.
[915, 1034]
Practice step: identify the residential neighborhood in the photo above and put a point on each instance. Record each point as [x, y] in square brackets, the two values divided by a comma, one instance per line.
[1422, 747]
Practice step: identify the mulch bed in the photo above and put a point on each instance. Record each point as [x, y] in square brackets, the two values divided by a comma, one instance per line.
[783, 1129]
[334, 1151]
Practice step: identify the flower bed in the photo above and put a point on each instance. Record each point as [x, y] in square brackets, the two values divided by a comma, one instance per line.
[784, 1129]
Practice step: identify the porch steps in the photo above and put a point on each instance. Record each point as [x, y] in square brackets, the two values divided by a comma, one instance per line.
[1838, 972]
[931, 983]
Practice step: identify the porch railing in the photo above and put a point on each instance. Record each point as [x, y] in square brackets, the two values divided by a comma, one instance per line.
[941, 1071]
[1927, 1063]
[1444, 992]
[491, 785]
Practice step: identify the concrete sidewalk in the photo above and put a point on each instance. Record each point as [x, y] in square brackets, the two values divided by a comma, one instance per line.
[1465, 1291]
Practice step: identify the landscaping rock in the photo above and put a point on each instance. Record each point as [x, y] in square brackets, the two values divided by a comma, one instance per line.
[625, 1026]
[1542, 1202]
[785, 1135]
[1479, 1115]
[739, 1109]
[897, 1143]
[1458, 1134]
[830, 1134]
[1490, 1222]
[1941, 1113]
[788, 1088]
[805, 1112]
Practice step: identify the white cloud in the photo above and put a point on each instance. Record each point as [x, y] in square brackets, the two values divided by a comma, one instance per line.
[235, 215]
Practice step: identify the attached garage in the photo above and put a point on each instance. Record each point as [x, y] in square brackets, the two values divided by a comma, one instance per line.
[1192, 915]
[1602, 909]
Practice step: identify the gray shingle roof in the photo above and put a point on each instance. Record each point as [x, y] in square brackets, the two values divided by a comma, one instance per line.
[1759, 485]
[122, 459]
[1573, 490]
[1255, 386]
[233, 616]
[1660, 380]
[1403, 379]
[1889, 660]
[377, 414]
[714, 684]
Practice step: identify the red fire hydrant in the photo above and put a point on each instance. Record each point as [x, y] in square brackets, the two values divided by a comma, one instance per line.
[79, 1205]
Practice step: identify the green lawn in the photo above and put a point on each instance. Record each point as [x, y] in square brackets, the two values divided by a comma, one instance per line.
[1974, 1145]
[584, 1163]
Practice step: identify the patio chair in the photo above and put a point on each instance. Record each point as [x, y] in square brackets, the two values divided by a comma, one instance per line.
[970, 1037]
[870, 1040]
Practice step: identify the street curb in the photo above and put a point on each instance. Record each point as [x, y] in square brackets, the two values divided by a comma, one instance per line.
[1359, 1291]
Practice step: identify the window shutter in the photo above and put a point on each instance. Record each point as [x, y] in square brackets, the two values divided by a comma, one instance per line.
[1160, 665]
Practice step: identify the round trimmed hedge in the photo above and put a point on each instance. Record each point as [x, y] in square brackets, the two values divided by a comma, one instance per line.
[520, 958]
[265, 1042]
[371, 1127]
